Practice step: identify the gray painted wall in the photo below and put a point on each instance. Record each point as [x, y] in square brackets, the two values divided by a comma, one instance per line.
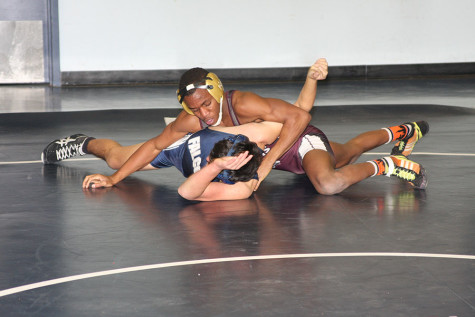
[25, 48]
[123, 35]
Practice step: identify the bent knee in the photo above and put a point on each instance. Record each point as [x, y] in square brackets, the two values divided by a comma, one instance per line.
[330, 185]
[114, 163]
[328, 189]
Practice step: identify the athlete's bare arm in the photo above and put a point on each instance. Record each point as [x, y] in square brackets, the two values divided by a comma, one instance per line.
[251, 108]
[318, 71]
[184, 124]
[262, 133]
[200, 185]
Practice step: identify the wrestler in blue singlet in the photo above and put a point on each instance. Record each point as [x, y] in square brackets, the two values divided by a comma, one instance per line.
[189, 154]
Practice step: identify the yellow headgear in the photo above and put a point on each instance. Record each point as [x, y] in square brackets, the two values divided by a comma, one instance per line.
[212, 84]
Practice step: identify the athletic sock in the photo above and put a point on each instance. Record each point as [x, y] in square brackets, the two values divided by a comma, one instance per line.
[84, 145]
[398, 132]
[379, 167]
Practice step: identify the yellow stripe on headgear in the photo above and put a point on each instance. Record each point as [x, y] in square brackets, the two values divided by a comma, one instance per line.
[212, 84]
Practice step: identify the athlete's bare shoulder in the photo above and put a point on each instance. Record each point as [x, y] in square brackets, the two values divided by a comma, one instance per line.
[248, 106]
[243, 97]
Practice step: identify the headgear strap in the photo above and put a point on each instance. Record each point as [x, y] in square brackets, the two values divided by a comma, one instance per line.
[212, 84]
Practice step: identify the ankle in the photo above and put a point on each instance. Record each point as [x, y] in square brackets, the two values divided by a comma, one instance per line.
[382, 166]
[85, 145]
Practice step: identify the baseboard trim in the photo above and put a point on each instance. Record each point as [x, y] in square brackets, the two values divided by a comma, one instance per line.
[229, 75]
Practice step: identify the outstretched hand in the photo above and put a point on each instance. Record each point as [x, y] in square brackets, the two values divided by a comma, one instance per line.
[319, 70]
[97, 181]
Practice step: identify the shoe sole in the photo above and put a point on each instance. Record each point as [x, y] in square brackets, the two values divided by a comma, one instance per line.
[408, 165]
[409, 147]
[424, 182]
[44, 161]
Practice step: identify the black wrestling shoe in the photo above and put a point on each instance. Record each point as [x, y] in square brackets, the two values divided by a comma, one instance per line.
[62, 149]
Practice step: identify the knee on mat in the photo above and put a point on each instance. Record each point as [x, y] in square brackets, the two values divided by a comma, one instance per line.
[327, 185]
[114, 163]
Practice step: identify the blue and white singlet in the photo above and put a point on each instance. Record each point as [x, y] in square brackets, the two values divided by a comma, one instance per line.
[189, 153]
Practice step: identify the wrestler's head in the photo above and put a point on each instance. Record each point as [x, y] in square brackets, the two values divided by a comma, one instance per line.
[200, 93]
[233, 147]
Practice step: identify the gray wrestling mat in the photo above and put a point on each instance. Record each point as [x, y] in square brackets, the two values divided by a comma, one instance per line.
[380, 248]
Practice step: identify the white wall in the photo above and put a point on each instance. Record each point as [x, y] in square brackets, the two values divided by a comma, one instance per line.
[177, 34]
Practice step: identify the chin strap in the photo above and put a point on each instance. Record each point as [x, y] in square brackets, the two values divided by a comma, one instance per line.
[220, 117]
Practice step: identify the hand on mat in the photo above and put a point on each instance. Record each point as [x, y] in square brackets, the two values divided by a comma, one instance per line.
[97, 181]
[232, 162]
[319, 70]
